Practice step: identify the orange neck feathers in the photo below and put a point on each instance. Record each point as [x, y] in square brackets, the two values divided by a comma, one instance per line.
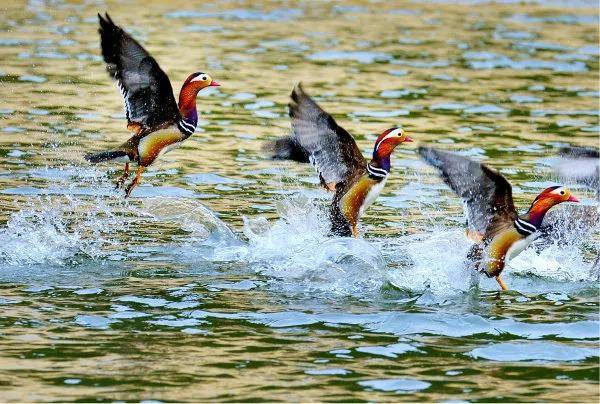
[187, 102]
[538, 209]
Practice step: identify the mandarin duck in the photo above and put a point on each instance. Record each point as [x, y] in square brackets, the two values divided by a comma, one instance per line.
[158, 123]
[342, 169]
[492, 220]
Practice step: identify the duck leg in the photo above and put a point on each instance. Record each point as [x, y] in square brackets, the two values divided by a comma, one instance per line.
[136, 180]
[123, 177]
[355, 231]
[501, 283]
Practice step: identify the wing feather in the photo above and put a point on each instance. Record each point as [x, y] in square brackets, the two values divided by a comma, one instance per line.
[329, 147]
[146, 89]
[486, 194]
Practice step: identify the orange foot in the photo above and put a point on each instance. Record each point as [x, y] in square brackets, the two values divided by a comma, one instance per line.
[123, 177]
[136, 181]
[501, 283]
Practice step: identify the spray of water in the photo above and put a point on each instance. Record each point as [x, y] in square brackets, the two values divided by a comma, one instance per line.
[436, 262]
[202, 225]
[56, 230]
[295, 251]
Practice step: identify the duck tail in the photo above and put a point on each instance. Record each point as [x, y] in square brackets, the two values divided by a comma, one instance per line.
[96, 158]
[286, 148]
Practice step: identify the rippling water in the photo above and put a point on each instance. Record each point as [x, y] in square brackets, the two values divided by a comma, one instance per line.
[217, 280]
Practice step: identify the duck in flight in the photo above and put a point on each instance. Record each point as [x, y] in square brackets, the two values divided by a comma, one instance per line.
[158, 123]
[318, 139]
[492, 220]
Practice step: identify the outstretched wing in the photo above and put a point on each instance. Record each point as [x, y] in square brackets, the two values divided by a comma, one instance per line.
[146, 89]
[487, 195]
[287, 148]
[329, 147]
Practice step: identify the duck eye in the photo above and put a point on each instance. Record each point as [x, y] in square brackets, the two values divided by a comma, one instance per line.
[562, 192]
[204, 78]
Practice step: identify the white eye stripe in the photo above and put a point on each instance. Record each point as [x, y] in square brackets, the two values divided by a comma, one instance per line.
[199, 78]
[393, 133]
[558, 191]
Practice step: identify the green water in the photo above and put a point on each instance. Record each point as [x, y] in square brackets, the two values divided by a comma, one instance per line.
[216, 281]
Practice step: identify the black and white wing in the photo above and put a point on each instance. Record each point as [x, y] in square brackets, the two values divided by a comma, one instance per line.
[486, 194]
[146, 89]
[329, 147]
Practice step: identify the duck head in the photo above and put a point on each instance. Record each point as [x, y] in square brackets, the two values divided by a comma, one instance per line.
[385, 145]
[189, 90]
[199, 80]
[545, 200]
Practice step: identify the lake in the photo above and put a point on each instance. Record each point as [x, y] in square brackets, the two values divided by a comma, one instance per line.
[217, 280]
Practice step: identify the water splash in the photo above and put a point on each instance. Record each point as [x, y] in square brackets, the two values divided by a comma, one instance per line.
[436, 262]
[435, 265]
[202, 223]
[56, 230]
[298, 254]
[205, 236]
[553, 262]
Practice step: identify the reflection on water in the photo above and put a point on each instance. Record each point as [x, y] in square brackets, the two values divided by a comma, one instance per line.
[218, 280]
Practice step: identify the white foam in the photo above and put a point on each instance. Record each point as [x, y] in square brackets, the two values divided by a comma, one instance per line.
[436, 262]
[203, 225]
[436, 266]
[54, 230]
[296, 251]
[564, 264]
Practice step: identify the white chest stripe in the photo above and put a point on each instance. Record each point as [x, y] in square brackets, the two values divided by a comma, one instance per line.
[525, 227]
[376, 171]
[186, 127]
